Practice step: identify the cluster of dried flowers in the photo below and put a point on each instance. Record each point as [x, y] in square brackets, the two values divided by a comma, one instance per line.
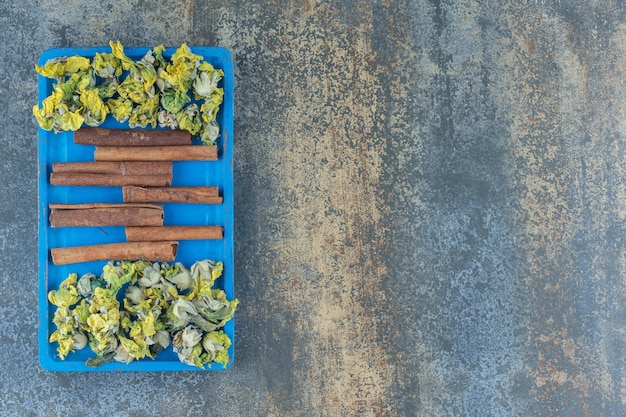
[161, 304]
[179, 93]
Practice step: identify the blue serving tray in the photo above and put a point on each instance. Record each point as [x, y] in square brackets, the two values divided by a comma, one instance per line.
[60, 147]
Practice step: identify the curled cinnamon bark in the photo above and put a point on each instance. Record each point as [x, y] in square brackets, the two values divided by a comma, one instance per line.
[127, 251]
[131, 137]
[159, 233]
[102, 214]
[107, 180]
[156, 153]
[115, 168]
[198, 195]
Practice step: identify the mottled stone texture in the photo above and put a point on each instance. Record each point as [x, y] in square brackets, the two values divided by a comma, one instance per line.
[430, 207]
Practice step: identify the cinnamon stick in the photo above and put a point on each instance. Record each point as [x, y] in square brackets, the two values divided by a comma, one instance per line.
[107, 180]
[131, 137]
[158, 233]
[156, 153]
[102, 214]
[116, 168]
[126, 251]
[198, 195]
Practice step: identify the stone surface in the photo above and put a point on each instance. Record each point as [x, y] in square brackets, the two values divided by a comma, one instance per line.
[430, 206]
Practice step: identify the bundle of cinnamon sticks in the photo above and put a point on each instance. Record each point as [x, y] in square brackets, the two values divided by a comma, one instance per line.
[139, 161]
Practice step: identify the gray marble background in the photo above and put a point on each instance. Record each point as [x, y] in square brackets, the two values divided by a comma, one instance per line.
[430, 206]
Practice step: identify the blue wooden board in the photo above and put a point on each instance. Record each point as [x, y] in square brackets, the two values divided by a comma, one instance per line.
[60, 147]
